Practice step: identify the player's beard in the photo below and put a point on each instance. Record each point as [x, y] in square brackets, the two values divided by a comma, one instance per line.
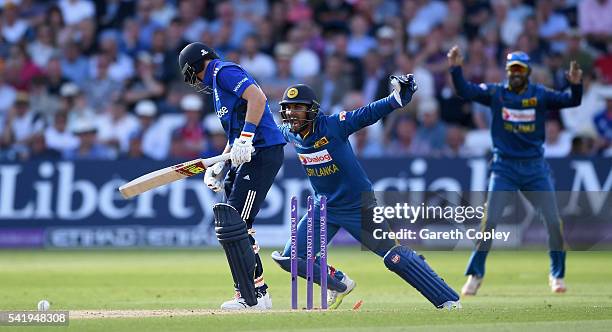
[517, 82]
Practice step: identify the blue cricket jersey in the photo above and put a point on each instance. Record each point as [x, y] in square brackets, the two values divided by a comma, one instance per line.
[328, 158]
[517, 126]
[229, 81]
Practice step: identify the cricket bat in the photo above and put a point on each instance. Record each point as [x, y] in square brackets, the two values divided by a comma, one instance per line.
[169, 174]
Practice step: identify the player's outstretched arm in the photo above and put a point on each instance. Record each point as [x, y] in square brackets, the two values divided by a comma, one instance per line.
[404, 87]
[463, 88]
[556, 99]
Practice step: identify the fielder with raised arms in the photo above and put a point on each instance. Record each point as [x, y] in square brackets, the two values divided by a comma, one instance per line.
[333, 170]
[256, 147]
[518, 114]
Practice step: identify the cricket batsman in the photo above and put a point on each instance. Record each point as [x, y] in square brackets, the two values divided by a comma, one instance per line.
[518, 114]
[256, 147]
[333, 170]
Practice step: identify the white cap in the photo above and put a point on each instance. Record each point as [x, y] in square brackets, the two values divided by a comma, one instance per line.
[146, 108]
[385, 32]
[69, 89]
[213, 125]
[83, 126]
[191, 103]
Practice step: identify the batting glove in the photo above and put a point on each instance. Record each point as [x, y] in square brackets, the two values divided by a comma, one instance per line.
[404, 86]
[214, 175]
[242, 149]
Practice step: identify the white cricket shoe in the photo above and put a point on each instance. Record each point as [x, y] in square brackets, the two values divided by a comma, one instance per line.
[334, 298]
[557, 285]
[264, 302]
[450, 305]
[471, 286]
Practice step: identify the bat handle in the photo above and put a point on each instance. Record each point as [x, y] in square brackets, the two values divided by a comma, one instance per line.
[216, 159]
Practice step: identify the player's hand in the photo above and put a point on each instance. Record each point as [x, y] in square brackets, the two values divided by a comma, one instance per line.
[213, 176]
[404, 86]
[242, 149]
[455, 58]
[574, 75]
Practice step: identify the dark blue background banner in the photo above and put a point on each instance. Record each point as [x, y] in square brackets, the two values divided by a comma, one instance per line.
[61, 197]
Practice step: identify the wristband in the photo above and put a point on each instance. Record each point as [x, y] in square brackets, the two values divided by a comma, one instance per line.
[249, 127]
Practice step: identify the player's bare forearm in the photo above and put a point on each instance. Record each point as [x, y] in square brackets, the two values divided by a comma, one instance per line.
[256, 103]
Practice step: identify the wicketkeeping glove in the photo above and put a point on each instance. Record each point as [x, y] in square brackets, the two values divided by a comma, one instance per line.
[404, 86]
[213, 176]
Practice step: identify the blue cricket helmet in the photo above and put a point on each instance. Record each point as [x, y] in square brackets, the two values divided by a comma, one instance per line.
[518, 58]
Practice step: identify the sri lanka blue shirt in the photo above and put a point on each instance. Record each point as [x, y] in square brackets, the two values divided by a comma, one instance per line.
[517, 126]
[327, 156]
[229, 81]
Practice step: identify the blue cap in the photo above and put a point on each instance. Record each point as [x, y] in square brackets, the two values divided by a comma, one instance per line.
[517, 58]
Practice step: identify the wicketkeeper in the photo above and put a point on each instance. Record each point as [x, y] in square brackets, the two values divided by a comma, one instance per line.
[333, 170]
[256, 147]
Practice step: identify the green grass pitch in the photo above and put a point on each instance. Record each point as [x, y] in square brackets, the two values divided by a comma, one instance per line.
[515, 295]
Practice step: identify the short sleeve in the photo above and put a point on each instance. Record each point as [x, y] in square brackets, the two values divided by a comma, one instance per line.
[234, 79]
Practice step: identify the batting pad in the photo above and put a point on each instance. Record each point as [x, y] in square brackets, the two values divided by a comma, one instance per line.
[412, 267]
[233, 235]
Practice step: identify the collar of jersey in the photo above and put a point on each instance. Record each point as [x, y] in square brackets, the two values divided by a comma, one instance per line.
[507, 86]
[209, 70]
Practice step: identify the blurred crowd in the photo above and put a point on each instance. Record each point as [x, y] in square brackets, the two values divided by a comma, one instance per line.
[83, 79]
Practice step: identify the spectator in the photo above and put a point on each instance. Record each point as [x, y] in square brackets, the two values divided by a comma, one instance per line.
[332, 85]
[364, 146]
[111, 13]
[603, 124]
[115, 126]
[74, 102]
[226, 19]
[129, 42]
[576, 52]
[55, 76]
[162, 12]
[191, 24]
[21, 124]
[74, 11]
[58, 137]
[41, 100]
[388, 46]
[7, 96]
[134, 148]
[582, 146]
[594, 21]
[154, 140]
[20, 69]
[121, 66]
[13, 28]
[429, 14]
[304, 63]
[89, 148]
[259, 64]
[360, 42]
[579, 120]
[74, 64]
[39, 150]
[558, 142]
[552, 25]
[146, 24]
[603, 65]
[101, 87]
[86, 37]
[509, 26]
[189, 140]
[402, 142]
[164, 59]
[333, 14]
[376, 83]
[455, 143]
[404, 63]
[43, 47]
[431, 135]
[275, 86]
[351, 66]
[144, 85]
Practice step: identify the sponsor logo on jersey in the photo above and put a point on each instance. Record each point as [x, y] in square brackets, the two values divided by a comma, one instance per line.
[530, 102]
[239, 84]
[342, 115]
[513, 115]
[315, 158]
[322, 141]
[222, 111]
